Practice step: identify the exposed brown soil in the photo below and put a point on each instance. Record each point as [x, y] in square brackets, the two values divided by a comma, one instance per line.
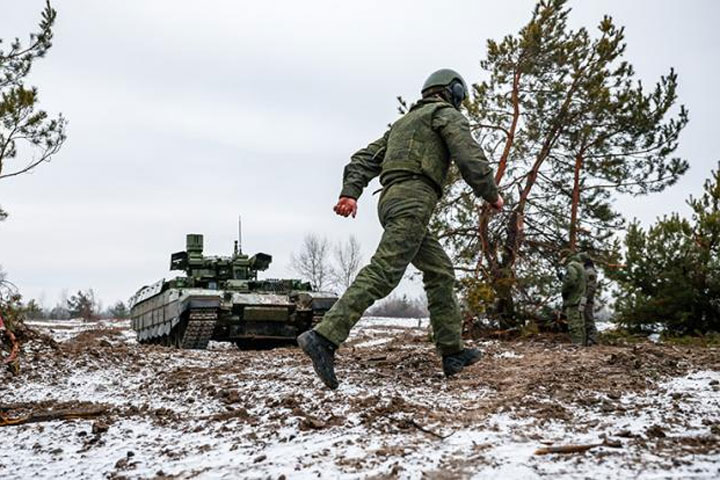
[397, 389]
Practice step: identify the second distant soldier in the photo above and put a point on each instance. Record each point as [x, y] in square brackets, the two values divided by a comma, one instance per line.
[574, 289]
[412, 160]
[589, 312]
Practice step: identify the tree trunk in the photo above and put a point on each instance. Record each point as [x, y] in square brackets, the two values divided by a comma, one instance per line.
[515, 236]
[501, 279]
[485, 211]
[502, 165]
[575, 202]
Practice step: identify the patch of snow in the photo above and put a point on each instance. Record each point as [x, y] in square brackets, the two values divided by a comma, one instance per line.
[509, 354]
[380, 322]
[603, 326]
[372, 343]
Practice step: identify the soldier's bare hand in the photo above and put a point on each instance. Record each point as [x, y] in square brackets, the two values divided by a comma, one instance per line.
[498, 204]
[346, 206]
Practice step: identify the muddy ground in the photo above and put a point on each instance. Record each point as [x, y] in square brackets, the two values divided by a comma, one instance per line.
[154, 412]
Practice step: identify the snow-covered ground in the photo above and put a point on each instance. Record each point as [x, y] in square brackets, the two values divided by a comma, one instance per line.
[224, 413]
[62, 330]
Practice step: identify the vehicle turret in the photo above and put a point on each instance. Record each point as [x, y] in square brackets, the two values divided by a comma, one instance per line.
[215, 272]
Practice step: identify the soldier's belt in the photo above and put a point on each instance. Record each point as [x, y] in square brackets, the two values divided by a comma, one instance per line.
[422, 178]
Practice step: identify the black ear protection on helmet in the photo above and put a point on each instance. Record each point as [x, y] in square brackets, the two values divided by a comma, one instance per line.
[457, 93]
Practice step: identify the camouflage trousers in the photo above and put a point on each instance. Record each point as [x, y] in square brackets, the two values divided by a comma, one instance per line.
[575, 314]
[590, 328]
[404, 210]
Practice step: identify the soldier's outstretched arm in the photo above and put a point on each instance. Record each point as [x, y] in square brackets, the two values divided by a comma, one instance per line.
[365, 164]
[467, 154]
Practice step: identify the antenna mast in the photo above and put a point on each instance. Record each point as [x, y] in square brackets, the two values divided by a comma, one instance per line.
[239, 241]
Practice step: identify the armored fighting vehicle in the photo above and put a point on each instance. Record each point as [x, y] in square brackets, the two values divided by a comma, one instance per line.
[222, 299]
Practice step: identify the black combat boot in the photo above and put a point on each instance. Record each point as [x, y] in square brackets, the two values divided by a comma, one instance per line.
[322, 353]
[453, 364]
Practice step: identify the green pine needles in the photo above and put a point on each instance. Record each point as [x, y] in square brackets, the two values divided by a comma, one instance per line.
[671, 277]
[24, 129]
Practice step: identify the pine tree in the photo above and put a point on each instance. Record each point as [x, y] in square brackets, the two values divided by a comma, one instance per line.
[33, 310]
[671, 276]
[83, 305]
[567, 125]
[119, 310]
[21, 123]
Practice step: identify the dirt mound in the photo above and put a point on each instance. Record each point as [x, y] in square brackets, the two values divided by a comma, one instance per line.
[94, 338]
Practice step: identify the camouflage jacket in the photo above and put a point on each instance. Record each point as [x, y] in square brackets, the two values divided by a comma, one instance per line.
[574, 283]
[421, 144]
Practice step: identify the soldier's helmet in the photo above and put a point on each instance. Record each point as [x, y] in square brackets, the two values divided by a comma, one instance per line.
[577, 257]
[567, 256]
[448, 82]
[586, 259]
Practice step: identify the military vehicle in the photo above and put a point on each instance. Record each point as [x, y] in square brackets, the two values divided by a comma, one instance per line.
[222, 299]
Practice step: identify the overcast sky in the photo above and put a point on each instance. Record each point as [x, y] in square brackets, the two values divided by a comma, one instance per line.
[184, 114]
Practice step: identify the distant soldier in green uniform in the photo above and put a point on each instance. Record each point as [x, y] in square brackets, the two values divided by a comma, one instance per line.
[574, 289]
[591, 284]
[412, 160]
